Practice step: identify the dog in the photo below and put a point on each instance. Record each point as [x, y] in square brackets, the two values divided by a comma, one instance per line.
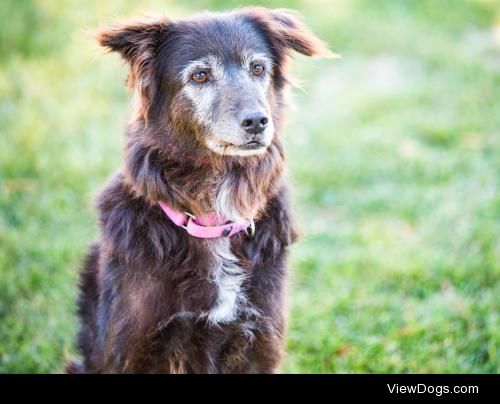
[189, 273]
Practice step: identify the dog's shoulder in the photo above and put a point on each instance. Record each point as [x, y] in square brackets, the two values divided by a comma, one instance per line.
[275, 230]
[117, 197]
[133, 227]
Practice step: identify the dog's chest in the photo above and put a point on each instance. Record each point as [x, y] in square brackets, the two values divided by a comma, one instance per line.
[227, 276]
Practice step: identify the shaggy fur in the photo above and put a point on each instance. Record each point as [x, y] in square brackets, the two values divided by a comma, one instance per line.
[153, 298]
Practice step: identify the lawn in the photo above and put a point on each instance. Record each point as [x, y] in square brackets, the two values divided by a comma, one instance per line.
[394, 155]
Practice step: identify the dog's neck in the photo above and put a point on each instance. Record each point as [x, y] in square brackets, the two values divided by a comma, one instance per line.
[233, 187]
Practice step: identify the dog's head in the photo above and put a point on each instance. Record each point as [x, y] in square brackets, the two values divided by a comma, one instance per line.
[214, 79]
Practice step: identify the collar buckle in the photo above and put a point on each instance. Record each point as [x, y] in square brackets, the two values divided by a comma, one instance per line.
[251, 226]
[190, 216]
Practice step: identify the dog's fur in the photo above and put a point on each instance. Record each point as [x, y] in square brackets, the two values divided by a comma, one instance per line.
[153, 298]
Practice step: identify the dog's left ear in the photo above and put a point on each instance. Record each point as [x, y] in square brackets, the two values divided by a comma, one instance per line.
[293, 34]
[137, 42]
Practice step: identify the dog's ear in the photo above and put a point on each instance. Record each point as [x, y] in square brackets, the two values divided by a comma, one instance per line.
[133, 38]
[289, 29]
[137, 42]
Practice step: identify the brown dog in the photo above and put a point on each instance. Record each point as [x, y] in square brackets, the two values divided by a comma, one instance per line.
[181, 281]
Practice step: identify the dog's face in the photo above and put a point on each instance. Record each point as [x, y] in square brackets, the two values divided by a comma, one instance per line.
[224, 68]
[216, 75]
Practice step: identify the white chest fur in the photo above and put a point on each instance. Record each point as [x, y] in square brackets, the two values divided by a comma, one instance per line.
[228, 277]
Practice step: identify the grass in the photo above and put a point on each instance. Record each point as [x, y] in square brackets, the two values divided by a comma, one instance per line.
[394, 154]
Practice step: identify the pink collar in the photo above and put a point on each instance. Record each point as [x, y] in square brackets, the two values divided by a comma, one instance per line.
[209, 226]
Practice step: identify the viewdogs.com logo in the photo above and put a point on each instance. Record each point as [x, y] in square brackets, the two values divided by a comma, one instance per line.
[436, 390]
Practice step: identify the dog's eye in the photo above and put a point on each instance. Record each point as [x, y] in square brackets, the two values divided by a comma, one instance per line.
[257, 69]
[199, 77]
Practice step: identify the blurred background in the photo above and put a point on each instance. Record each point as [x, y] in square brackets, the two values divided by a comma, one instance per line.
[394, 159]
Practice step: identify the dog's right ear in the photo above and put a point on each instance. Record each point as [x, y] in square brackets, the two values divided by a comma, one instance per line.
[133, 38]
[137, 42]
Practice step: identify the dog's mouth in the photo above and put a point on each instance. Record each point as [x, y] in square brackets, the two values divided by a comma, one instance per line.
[245, 149]
[253, 145]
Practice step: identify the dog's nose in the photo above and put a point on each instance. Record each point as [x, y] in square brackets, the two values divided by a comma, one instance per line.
[254, 123]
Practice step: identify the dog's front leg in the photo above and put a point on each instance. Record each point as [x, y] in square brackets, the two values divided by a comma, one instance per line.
[256, 348]
[127, 318]
[267, 251]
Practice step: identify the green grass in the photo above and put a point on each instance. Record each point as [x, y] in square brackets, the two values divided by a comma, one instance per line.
[394, 154]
